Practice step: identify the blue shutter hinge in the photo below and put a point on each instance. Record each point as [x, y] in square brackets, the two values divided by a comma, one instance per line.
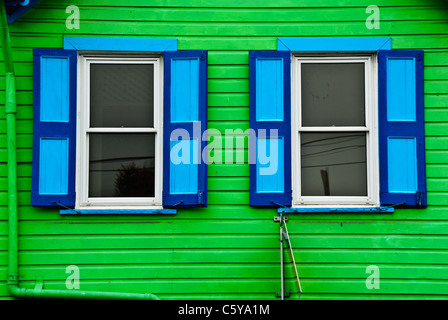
[200, 197]
[419, 57]
[419, 198]
[202, 56]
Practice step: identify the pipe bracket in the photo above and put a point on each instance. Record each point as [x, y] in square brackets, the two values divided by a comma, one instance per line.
[13, 279]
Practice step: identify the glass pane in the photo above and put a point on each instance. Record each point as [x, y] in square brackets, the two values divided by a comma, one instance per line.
[121, 164]
[121, 95]
[333, 94]
[333, 164]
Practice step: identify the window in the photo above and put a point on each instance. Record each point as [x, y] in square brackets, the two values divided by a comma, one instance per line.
[99, 108]
[334, 130]
[346, 126]
[120, 131]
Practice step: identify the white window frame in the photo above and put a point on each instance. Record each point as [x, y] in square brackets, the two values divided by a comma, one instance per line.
[83, 129]
[370, 128]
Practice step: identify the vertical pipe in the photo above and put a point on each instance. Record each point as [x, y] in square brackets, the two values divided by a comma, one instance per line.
[10, 111]
[13, 266]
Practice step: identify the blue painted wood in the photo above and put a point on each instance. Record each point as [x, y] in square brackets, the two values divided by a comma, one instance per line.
[184, 90]
[278, 193]
[46, 155]
[117, 211]
[184, 166]
[120, 44]
[337, 210]
[172, 195]
[53, 166]
[269, 89]
[334, 44]
[402, 164]
[401, 129]
[54, 98]
[270, 166]
[18, 11]
[13, 3]
[401, 89]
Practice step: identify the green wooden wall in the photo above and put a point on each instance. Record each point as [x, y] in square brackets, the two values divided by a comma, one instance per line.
[230, 250]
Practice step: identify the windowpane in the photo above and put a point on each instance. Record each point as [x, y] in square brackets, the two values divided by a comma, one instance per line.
[121, 165]
[121, 95]
[333, 164]
[333, 94]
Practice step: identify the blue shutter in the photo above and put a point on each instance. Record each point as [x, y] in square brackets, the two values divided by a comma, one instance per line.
[185, 120]
[270, 108]
[54, 128]
[401, 128]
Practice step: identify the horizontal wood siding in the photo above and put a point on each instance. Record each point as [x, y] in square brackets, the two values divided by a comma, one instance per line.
[230, 250]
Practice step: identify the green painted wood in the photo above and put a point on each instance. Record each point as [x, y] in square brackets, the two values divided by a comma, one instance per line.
[54, 12]
[166, 225]
[203, 256]
[436, 58]
[228, 100]
[236, 271]
[436, 73]
[229, 212]
[226, 241]
[436, 101]
[229, 250]
[437, 171]
[228, 113]
[435, 114]
[174, 29]
[436, 129]
[236, 3]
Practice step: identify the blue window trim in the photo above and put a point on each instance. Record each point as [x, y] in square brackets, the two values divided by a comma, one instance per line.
[16, 9]
[117, 211]
[334, 44]
[337, 210]
[120, 44]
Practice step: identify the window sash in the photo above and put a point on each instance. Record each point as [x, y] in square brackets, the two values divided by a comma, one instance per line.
[370, 129]
[84, 130]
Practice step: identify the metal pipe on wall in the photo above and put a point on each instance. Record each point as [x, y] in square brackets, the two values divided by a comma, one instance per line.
[13, 250]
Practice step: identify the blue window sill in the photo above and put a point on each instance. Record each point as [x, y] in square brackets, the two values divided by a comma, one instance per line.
[119, 211]
[337, 210]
